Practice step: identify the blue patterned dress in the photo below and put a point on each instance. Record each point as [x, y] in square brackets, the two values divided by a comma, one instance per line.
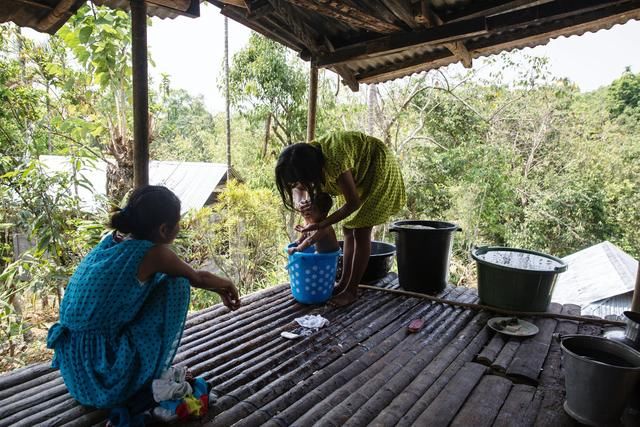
[115, 333]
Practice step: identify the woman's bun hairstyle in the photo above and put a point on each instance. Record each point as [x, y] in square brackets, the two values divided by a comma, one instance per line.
[147, 209]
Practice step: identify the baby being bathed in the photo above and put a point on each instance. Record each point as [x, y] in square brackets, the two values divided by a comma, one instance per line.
[324, 239]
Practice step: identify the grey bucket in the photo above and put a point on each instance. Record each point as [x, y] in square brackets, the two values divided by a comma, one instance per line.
[599, 376]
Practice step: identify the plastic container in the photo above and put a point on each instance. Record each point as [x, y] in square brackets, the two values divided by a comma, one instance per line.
[423, 252]
[380, 262]
[599, 375]
[311, 275]
[516, 279]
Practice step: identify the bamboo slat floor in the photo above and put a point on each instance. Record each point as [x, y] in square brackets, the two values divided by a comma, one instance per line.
[364, 368]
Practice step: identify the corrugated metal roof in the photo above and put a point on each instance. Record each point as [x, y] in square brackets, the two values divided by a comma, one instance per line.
[597, 273]
[192, 182]
[31, 13]
[364, 368]
[160, 8]
[611, 306]
[385, 40]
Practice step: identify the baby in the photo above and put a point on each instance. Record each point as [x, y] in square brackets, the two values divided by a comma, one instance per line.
[325, 238]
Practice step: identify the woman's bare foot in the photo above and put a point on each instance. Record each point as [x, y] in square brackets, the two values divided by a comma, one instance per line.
[344, 298]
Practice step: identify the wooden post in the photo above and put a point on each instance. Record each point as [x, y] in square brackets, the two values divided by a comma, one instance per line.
[140, 93]
[635, 303]
[227, 99]
[313, 101]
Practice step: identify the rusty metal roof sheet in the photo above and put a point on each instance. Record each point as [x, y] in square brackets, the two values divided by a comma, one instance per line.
[380, 40]
[42, 15]
[363, 368]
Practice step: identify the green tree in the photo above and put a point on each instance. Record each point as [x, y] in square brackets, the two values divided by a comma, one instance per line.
[184, 129]
[266, 85]
[624, 96]
[100, 39]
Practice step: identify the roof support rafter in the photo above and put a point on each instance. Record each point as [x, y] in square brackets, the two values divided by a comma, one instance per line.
[56, 15]
[508, 40]
[458, 31]
[398, 42]
[431, 19]
[491, 7]
[348, 14]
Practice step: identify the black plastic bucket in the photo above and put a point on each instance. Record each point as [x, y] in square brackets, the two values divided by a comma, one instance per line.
[423, 252]
[379, 265]
[516, 279]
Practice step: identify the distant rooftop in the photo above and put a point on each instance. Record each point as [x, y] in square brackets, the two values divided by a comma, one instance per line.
[193, 182]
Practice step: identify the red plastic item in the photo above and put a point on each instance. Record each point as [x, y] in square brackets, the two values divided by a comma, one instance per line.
[415, 325]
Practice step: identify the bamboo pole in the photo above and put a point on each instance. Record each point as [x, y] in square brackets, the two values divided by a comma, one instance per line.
[313, 102]
[473, 306]
[635, 303]
[140, 93]
[227, 99]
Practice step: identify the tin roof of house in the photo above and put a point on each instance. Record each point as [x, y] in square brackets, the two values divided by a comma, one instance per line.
[192, 182]
[597, 273]
[363, 368]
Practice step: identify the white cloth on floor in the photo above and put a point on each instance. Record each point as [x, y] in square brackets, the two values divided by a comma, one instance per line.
[313, 321]
[171, 385]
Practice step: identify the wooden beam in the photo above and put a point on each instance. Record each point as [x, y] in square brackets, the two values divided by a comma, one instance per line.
[635, 303]
[508, 40]
[548, 29]
[140, 93]
[348, 14]
[35, 4]
[304, 32]
[397, 42]
[490, 7]
[236, 3]
[402, 11]
[313, 102]
[58, 14]
[240, 15]
[550, 12]
[258, 9]
[409, 66]
[181, 5]
[461, 51]
[457, 48]
[342, 70]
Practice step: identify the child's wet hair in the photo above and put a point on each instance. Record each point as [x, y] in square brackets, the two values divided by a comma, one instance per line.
[147, 209]
[323, 202]
[299, 163]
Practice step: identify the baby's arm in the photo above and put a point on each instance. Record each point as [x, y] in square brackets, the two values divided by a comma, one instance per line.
[161, 259]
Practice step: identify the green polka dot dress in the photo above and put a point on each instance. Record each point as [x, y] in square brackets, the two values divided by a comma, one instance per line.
[375, 170]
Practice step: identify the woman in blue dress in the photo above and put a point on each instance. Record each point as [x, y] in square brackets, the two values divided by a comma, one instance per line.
[124, 309]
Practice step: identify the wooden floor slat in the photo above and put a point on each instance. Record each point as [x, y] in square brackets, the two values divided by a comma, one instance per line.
[364, 368]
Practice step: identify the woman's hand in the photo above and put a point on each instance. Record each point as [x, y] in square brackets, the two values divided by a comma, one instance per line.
[223, 287]
[310, 227]
[304, 206]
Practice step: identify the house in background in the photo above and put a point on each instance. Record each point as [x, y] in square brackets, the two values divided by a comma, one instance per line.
[197, 184]
[600, 279]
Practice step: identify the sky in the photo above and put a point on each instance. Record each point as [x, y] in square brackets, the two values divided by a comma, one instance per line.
[191, 51]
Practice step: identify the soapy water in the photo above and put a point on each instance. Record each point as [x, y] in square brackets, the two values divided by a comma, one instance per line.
[520, 260]
[416, 227]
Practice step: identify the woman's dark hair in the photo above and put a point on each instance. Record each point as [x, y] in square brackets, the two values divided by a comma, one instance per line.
[147, 209]
[299, 163]
[324, 202]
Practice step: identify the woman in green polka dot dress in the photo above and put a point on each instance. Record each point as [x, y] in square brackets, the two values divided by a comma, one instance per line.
[364, 173]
